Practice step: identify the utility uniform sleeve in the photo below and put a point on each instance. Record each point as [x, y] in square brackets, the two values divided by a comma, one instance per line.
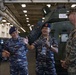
[36, 43]
[71, 51]
[6, 45]
[54, 42]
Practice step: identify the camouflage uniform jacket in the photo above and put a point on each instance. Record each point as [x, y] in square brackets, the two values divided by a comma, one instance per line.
[71, 49]
[49, 53]
[18, 50]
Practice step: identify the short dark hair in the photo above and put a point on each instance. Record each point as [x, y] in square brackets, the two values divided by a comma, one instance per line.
[71, 10]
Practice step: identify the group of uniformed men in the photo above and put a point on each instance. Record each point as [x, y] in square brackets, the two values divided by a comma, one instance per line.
[16, 49]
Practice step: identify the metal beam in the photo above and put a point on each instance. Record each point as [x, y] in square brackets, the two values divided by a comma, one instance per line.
[2, 7]
[39, 1]
[17, 1]
[72, 1]
[52, 1]
[10, 18]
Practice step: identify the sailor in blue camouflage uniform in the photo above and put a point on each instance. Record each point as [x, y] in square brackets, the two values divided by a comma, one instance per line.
[45, 64]
[17, 53]
[70, 61]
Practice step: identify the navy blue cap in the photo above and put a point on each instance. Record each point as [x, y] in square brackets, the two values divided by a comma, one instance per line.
[12, 29]
[47, 25]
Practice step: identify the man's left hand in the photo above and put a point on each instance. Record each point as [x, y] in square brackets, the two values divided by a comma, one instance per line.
[47, 44]
[63, 64]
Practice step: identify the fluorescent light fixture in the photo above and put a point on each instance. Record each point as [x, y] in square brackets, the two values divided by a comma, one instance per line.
[67, 11]
[23, 5]
[43, 18]
[73, 5]
[8, 23]
[32, 25]
[44, 11]
[2, 42]
[18, 31]
[28, 24]
[49, 5]
[22, 29]
[25, 11]
[3, 20]
[27, 18]
[27, 21]
[30, 28]
[26, 15]
[11, 25]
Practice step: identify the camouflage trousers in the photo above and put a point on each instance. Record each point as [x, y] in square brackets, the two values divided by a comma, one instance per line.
[18, 70]
[70, 73]
[45, 69]
[72, 70]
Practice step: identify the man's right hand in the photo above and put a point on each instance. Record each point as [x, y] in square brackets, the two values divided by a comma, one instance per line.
[5, 53]
[63, 64]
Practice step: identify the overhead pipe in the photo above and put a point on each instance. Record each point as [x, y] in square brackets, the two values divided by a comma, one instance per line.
[8, 15]
[17, 1]
[37, 1]
[5, 13]
[2, 7]
[9, 18]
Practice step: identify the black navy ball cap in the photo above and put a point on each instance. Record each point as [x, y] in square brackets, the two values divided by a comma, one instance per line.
[12, 29]
[47, 25]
